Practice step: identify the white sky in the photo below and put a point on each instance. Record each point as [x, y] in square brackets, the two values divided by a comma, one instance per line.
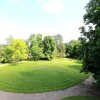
[48, 17]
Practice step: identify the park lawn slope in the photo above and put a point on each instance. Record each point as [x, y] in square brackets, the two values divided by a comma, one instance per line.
[40, 76]
[82, 98]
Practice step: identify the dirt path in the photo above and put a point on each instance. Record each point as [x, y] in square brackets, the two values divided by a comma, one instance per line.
[84, 88]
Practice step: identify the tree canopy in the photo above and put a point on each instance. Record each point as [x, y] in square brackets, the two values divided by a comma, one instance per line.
[15, 51]
[73, 49]
[59, 45]
[90, 39]
[49, 46]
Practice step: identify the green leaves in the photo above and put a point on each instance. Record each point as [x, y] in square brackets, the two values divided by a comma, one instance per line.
[15, 51]
[91, 45]
[59, 45]
[73, 49]
[49, 47]
[37, 53]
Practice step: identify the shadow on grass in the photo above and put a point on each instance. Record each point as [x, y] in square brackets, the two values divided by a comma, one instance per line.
[27, 73]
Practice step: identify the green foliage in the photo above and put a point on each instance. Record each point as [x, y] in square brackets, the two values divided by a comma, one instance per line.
[37, 53]
[40, 76]
[59, 45]
[19, 49]
[39, 40]
[35, 46]
[32, 41]
[7, 55]
[1, 52]
[91, 39]
[73, 49]
[15, 51]
[55, 53]
[49, 47]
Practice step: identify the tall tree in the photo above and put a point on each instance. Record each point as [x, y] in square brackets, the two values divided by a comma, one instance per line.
[91, 39]
[35, 46]
[32, 41]
[39, 40]
[49, 47]
[59, 45]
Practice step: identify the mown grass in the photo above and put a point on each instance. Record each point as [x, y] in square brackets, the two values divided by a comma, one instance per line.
[82, 98]
[40, 76]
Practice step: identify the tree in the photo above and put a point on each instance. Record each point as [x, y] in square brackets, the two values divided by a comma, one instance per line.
[73, 49]
[91, 39]
[37, 53]
[59, 45]
[1, 52]
[39, 40]
[49, 47]
[17, 50]
[32, 41]
[35, 46]
[7, 55]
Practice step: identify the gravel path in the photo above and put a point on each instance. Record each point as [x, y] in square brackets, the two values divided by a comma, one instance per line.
[84, 88]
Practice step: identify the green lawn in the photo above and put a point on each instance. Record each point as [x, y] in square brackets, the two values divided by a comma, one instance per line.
[40, 76]
[82, 98]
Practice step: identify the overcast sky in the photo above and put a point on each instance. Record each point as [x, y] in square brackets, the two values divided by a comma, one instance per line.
[20, 18]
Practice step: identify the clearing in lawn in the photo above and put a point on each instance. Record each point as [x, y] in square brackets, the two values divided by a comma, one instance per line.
[40, 76]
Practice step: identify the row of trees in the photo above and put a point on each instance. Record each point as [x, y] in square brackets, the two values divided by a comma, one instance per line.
[34, 48]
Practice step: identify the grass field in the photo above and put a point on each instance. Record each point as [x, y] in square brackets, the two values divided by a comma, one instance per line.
[82, 98]
[40, 76]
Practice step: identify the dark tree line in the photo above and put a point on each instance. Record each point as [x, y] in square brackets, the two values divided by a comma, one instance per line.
[90, 39]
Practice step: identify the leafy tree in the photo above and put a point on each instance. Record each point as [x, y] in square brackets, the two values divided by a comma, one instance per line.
[32, 41]
[90, 39]
[59, 45]
[7, 55]
[73, 49]
[39, 40]
[35, 46]
[1, 52]
[16, 50]
[55, 52]
[49, 47]
[37, 53]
